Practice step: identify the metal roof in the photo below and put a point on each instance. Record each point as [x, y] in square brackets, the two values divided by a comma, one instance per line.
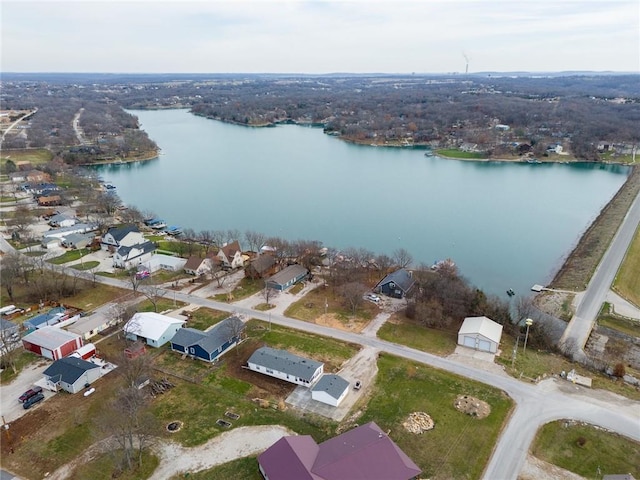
[483, 326]
[50, 337]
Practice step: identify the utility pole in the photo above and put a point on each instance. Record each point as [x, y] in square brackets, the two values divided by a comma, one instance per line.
[515, 351]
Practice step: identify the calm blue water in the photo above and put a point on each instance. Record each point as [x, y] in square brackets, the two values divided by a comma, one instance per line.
[505, 225]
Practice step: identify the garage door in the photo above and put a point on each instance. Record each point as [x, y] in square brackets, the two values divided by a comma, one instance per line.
[484, 345]
[46, 353]
[470, 342]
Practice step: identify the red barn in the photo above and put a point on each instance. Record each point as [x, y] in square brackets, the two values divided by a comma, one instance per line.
[51, 342]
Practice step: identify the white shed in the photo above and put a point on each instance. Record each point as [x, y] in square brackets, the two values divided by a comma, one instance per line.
[330, 389]
[152, 328]
[480, 333]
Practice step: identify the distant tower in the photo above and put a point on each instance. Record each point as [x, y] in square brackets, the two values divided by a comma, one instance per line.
[466, 59]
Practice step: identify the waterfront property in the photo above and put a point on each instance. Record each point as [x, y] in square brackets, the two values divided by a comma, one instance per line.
[262, 266]
[365, 452]
[123, 236]
[197, 265]
[285, 366]
[397, 284]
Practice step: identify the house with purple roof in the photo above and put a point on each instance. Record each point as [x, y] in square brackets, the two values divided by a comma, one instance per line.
[363, 453]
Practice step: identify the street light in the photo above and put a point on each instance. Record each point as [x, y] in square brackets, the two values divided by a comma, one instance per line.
[528, 322]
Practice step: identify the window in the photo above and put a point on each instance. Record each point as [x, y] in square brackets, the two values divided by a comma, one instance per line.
[269, 370]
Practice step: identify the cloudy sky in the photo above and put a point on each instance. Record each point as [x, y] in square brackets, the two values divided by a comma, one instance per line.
[319, 36]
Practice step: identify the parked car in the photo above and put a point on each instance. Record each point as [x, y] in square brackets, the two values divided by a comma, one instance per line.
[141, 275]
[357, 385]
[371, 297]
[32, 392]
[33, 400]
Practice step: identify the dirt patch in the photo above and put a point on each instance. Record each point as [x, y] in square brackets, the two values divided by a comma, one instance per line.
[331, 320]
[472, 406]
[557, 304]
[418, 422]
[264, 386]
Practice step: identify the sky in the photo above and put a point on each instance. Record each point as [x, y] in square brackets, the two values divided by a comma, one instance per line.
[319, 36]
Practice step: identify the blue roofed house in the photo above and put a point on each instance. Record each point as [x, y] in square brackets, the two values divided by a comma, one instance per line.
[71, 374]
[397, 284]
[285, 366]
[209, 345]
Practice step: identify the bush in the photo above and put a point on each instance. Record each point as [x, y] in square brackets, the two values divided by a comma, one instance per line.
[619, 370]
[581, 441]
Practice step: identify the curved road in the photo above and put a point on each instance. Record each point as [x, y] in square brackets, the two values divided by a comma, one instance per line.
[581, 324]
[535, 404]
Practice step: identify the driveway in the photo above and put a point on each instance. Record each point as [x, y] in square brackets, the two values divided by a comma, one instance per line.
[362, 366]
[10, 408]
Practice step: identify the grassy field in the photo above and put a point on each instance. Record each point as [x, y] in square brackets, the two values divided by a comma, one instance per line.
[627, 282]
[245, 288]
[586, 450]
[69, 256]
[455, 153]
[204, 318]
[406, 332]
[101, 468]
[460, 445]
[35, 156]
[583, 260]
[312, 305]
[86, 265]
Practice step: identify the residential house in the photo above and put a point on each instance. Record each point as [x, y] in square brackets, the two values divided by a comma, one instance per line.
[262, 266]
[61, 220]
[131, 256]
[8, 328]
[330, 389]
[164, 262]
[61, 233]
[47, 201]
[91, 325]
[123, 236]
[71, 374]
[197, 266]
[231, 255]
[397, 284]
[51, 342]
[480, 333]
[36, 176]
[285, 366]
[152, 328]
[209, 345]
[287, 277]
[365, 452]
[78, 240]
[53, 316]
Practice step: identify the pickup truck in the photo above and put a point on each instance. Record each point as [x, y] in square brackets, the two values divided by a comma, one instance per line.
[32, 392]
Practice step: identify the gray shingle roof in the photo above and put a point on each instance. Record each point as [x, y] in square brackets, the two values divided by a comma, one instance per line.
[118, 233]
[287, 274]
[334, 385]
[285, 362]
[402, 278]
[68, 369]
[213, 339]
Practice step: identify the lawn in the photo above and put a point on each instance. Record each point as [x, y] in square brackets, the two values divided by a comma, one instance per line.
[204, 318]
[627, 282]
[24, 358]
[245, 288]
[69, 256]
[86, 265]
[406, 332]
[323, 300]
[162, 305]
[586, 450]
[103, 466]
[35, 156]
[92, 297]
[455, 153]
[460, 445]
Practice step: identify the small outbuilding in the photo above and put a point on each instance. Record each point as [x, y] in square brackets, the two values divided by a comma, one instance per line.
[152, 328]
[287, 277]
[52, 342]
[71, 374]
[53, 316]
[330, 389]
[160, 261]
[285, 366]
[480, 333]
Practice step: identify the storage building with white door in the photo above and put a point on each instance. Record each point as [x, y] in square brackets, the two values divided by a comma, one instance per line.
[480, 333]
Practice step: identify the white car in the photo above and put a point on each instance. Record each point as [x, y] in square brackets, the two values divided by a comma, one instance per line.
[371, 297]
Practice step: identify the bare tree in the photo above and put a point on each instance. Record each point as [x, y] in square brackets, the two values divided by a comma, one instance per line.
[22, 218]
[235, 328]
[13, 266]
[352, 293]
[135, 279]
[254, 240]
[10, 348]
[268, 293]
[402, 258]
[154, 293]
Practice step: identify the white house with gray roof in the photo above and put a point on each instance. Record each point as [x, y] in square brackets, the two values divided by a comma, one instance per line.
[330, 389]
[285, 366]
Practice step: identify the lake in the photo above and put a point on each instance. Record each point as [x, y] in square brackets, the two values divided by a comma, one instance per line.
[505, 225]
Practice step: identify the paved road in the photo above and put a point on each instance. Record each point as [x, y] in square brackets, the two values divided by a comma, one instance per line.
[535, 404]
[581, 324]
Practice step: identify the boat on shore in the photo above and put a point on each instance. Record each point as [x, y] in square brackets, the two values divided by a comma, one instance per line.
[173, 230]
